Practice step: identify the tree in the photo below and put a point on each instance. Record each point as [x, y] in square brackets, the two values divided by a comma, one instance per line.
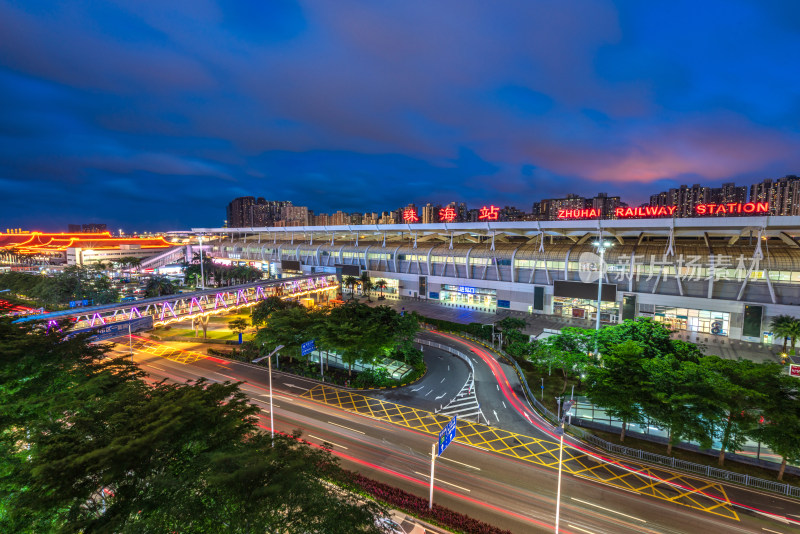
[567, 352]
[381, 285]
[366, 287]
[159, 286]
[779, 423]
[290, 327]
[259, 314]
[351, 282]
[89, 446]
[511, 328]
[737, 390]
[793, 330]
[238, 325]
[675, 401]
[780, 325]
[618, 385]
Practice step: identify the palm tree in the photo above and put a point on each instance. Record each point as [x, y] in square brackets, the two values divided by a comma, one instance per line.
[381, 285]
[351, 282]
[781, 326]
[366, 287]
[793, 330]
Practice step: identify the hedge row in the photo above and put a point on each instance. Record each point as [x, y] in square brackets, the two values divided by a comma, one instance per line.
[481, 331]
[418, 507]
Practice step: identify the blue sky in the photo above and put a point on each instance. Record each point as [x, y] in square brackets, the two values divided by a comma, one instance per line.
[153, 115]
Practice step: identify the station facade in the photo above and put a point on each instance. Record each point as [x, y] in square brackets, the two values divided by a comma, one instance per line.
[717, 276]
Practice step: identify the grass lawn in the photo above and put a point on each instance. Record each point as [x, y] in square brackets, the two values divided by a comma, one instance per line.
[212, 334]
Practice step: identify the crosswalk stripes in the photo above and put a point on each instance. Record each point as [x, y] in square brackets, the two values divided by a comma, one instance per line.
[465, 403]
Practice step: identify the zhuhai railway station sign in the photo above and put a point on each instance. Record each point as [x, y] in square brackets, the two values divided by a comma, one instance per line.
[647, 212]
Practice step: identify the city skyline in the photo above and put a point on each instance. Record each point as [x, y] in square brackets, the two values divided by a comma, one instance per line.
[151, 117]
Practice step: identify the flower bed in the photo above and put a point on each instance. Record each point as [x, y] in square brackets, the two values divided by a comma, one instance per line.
[418, 507]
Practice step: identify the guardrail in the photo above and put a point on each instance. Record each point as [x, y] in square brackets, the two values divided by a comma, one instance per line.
[669, 461]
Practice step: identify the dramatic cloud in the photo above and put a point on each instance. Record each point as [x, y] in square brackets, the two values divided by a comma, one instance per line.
[153, 115]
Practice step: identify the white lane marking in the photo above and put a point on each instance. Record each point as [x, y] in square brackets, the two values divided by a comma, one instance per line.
[504, 404]
[264, 410]
[265, 402]
[347, 427]
[234, 379]
[417, 389]
[448, 367]
[581, 529]
[292, 386]
[428, 393]
[443, 379]
[498, 387]
[328, 441]
[608, 509]
[460, 463]
[775, 517]
[495, 416]
[156, 367]
[277, 397]
[440, 396]
[768, 530]
[440, 481]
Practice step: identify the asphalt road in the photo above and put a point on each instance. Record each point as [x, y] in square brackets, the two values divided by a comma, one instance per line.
[509, 493]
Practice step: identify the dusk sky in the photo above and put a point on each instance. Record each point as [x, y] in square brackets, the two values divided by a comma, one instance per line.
[154, 115]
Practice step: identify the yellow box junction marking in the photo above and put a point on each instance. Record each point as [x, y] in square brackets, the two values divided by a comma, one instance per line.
[165, 351]
[648, 480]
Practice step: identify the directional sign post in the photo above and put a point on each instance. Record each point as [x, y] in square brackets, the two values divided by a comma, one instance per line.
[307, 347]
[447, 435]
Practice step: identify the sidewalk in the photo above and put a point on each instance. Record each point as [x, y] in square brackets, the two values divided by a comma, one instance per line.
[536, 324]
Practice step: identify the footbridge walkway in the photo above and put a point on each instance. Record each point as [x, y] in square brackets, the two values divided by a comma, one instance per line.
[196, 304]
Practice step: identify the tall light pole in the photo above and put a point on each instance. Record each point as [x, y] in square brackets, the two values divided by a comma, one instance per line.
[269, 365]
[560, 430]
[601, 247]
[202, 276]
[130, 341]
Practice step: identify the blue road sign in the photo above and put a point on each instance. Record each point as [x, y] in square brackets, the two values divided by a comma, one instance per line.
[307, 347]
[447, 435]
[110, 331]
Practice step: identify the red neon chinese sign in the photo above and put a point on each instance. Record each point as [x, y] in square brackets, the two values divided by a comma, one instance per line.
[489, 214]
[410, 215]
[588, 213]
[731, 208]
[447, 214]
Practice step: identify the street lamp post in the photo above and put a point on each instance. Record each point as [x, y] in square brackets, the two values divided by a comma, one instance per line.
[130, 341]
[601, 247]
[202, 276]
[560, 430]
[269, 366]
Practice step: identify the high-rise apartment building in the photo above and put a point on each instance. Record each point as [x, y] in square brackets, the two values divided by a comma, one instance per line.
[606, 204]
[430, 213]
[685, 198]
[295, 215]
[239, 212]
[729, 192]
[782, 194]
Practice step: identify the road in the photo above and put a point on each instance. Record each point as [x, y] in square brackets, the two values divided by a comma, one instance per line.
[508, 492]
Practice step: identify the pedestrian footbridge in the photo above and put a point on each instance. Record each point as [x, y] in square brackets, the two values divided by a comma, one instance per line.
[197, 304]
